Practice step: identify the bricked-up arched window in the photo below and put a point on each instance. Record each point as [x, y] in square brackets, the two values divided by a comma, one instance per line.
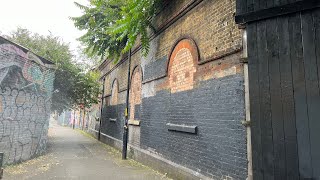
[135, 94]
[114, 93]
[182, 66]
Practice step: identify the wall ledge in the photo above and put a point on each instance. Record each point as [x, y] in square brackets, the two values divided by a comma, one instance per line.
[134, 122]
[182, 128]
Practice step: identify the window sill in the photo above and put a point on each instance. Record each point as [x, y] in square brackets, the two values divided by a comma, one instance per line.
[134, 122]
[112, 119]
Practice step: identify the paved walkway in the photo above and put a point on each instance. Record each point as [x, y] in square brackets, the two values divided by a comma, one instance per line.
[73, 154]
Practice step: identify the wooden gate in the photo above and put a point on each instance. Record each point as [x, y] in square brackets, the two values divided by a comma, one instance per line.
[284, 84]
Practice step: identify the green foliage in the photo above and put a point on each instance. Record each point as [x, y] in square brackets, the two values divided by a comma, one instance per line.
[113, 26]
[96, 20]
[73, 85]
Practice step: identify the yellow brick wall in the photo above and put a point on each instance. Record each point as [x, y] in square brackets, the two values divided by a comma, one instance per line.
[210, 24]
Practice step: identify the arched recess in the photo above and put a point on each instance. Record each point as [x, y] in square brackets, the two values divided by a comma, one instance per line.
[135, 102]
[182, 65]
[114, 92]
[135, 93]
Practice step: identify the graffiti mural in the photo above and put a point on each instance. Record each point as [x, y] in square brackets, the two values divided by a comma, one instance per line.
[26, 86]
[24, 124]
[24, 70]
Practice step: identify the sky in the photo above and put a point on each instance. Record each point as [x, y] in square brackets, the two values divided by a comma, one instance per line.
[42, 16]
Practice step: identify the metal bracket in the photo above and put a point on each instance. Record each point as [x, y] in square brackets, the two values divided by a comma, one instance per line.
[113, 119]
[244, 60]
[246, 123]
[242, 26]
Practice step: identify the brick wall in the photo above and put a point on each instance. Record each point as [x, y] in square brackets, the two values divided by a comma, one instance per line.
[219, 148]
[26, 84]
[135, 93]
[191, 78]
[182, 67]
[135, 107]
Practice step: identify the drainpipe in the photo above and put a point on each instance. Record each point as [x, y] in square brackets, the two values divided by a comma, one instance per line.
[125, 127]
[101, 107]
[247, 122]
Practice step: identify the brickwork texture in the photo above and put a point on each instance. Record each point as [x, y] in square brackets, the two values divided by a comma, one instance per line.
[192, 77]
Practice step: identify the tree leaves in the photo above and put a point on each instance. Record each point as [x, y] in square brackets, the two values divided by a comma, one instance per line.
[113, 26]
[73, 85]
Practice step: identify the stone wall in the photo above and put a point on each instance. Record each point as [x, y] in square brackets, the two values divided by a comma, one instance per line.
[26, 84]
[191, 103]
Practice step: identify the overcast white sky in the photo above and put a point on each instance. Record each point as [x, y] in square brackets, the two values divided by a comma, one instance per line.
[41, 16]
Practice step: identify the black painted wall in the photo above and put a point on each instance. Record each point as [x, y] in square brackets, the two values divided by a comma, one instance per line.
[108, 125]
[247, 6]
[216, 107]
[155, 69]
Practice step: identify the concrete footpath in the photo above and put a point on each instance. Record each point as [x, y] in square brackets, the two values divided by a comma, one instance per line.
[73, 154]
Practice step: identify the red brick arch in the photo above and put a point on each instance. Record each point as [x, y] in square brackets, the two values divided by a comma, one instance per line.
[136, 68]
[135, 90]
[182, 65]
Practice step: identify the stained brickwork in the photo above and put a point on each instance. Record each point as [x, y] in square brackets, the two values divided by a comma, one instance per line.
[192, 76]
[155, 69]
[115, 93]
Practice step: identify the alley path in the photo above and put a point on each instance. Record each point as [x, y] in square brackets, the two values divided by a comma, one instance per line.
[73, 154]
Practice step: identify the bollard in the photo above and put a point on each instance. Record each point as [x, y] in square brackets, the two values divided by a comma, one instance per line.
[1, 162]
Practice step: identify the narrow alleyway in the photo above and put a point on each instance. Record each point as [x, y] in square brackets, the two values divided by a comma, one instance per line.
[73, 154]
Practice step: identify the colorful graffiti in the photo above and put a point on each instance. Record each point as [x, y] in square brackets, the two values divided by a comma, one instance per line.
[30, 71]
[26, 85]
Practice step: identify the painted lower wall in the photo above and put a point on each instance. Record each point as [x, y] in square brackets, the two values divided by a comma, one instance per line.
[187, 95]
[216, 107]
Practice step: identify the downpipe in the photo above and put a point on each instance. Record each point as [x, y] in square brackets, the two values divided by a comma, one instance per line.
[126, 113]
[101, 108]
[247, 121]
